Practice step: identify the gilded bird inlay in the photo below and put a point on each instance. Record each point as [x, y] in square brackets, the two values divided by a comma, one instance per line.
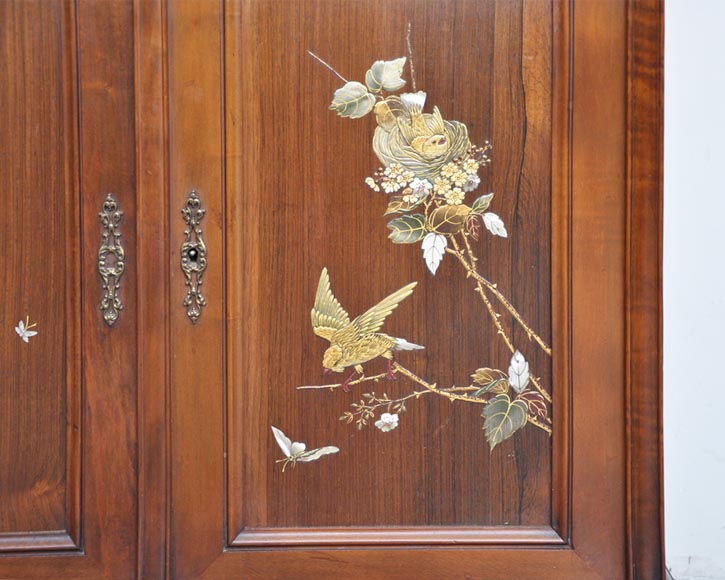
[426, 134]
[355, 342]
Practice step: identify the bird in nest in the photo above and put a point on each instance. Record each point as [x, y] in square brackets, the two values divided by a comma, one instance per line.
[425, 133]
[355, 342]
[421, 142]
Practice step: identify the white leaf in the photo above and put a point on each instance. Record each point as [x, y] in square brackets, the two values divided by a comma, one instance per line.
[518, 372]
[494, 224]
[284, 442]
[353, 100]
[386, 75]
[434, 247]
[315, 454]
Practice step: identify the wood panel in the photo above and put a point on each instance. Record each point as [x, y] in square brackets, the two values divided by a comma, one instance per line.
[294, 205]
[74, 142]
[598, 233]
[197, 381]
[644, 287]
[39, 230]
[153, 287]
[297, 197]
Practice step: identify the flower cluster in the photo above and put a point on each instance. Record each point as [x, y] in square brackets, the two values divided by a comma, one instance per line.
[454, 180]
[460, 176]
[390, 179]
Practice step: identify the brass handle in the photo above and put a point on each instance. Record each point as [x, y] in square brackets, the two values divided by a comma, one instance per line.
[193, 256]
[111, 257]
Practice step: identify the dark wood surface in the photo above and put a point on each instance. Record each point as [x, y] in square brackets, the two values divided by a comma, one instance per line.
[165, 464]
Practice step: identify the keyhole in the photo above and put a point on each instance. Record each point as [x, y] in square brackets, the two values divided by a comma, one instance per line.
[193, 254]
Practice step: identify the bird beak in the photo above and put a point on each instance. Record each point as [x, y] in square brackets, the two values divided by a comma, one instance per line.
[326, 371]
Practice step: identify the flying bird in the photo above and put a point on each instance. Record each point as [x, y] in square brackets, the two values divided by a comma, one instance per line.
[356, 342]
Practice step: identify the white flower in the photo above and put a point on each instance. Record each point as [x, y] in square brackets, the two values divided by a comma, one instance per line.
[390, 186]
[387, 422]
[394, 170]
[455, 196]
[406, 176]
[472, 183]
[459, 178]
[442, 186]
[420, 187]
[449, 169]
[371, 184]
[470, 166]
[24, 331]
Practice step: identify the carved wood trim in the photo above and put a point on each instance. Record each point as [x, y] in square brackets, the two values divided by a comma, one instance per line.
[428, 536]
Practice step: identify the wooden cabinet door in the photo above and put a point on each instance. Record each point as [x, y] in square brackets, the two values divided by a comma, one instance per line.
[522, 441]
[68, 455]
[451, 207]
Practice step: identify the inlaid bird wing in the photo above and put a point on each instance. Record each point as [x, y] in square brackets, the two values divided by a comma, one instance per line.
[438, 127]
[373, 319]
[328, 316]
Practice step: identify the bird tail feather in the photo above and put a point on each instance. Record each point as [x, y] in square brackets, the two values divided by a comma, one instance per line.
[402, 344]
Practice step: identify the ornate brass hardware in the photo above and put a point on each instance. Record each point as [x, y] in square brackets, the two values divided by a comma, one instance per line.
[111, 256]
[193, 256]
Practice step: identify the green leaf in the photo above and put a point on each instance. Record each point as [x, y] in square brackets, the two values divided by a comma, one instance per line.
[407, 229]
[398, 205]
[491, 381]
[497, 387]
[481, 204]
[449, 219]
[353, 100]
[502, 418]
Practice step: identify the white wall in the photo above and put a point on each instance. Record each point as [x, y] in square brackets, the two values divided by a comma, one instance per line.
[694, 289]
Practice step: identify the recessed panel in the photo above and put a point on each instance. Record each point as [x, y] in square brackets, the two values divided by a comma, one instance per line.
[39, 315]
[359, 172]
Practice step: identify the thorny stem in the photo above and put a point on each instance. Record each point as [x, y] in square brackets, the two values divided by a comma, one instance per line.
[454, 397]
[337, 74]
[338, 385]
[433, 388]
[535, 423]
[501, 298]
[450, 393]
[471, 269]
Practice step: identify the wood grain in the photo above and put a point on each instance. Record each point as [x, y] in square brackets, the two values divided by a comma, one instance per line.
[144, 451]
[40, 380]
[108, 163]
[297, 203]
[197, 379]
[150, 83]
[72, 77]
[598, 234]
[644, 290]
[553, 112]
